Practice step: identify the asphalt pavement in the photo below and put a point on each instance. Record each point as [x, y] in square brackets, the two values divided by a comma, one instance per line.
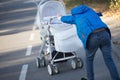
[20, 44]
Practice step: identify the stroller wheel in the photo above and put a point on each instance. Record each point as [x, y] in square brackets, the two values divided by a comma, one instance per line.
[55, 68]
[79, 63]
[40, 62]
[74, 63]
[50, 69]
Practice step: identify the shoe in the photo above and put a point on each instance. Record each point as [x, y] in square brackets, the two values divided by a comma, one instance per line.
[83, 79]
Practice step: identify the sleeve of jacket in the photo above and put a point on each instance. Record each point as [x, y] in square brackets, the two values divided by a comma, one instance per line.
[68, 19]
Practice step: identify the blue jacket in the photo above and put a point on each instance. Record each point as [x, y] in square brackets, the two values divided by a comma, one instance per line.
[86, 21]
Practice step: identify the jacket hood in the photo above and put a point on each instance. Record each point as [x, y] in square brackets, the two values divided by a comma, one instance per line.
[79, 9]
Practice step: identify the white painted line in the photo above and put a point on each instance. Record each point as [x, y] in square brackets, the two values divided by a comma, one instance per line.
[23, 72]
[32, 37]
[29, 49]
[28, 52]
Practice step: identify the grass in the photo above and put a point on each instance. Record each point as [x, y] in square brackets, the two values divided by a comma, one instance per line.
[104, 8]
[115, 13]
[107, 12]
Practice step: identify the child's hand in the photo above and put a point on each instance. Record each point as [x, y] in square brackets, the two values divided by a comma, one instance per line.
[59, 16]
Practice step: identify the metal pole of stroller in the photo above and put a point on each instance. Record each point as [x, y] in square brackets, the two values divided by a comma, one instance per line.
[41, 49]
[43, 44]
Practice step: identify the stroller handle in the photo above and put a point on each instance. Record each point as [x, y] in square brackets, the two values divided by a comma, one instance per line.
[50, 18]
[47, 20]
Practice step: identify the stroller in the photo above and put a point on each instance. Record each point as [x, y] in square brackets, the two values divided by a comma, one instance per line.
[59, 40]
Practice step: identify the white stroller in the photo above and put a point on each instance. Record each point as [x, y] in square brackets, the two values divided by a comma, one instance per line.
[59, 40]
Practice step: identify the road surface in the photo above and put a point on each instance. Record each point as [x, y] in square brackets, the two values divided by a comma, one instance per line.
[20, 44]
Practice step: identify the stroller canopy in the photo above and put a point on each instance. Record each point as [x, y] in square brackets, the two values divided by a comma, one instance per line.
[43, 1]
[51, 8]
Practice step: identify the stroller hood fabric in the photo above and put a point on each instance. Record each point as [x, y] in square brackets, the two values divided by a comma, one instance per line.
[51, 8]
[43, 1]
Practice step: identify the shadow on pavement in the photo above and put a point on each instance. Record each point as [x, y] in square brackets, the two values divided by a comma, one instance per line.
[16, 16]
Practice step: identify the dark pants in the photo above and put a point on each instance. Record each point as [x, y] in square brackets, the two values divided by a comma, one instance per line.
[100, 40]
